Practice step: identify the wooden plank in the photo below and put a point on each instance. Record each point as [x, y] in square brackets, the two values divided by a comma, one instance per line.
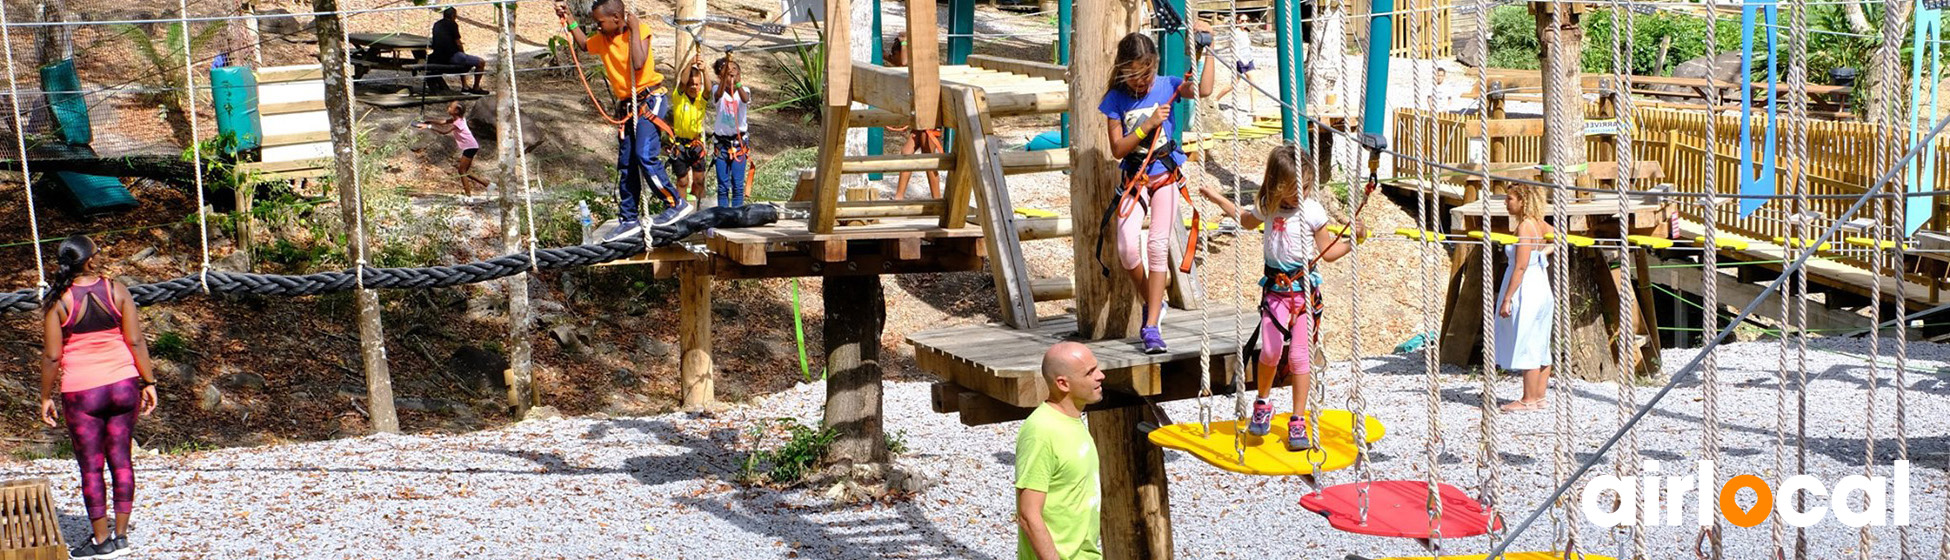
[745, 253]
[879, 86]
[1017, 66]
[295, 138]
[829, 251]
[307, 106]
[906, 249]
[924, 63]
[962, 116]
[1053, 289]
[981, 156]
[296, 73]
[874, 118]
[832, 150]
[1017, 161]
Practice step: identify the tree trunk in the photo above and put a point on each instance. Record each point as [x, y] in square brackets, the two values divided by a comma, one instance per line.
[1590, 352]
[1136, 498]
[54, 41]
[338, 104]
[1858, 20]
[1560, 40]
[856, 313]
[520, 374]
[1107, 306]
[688, 13]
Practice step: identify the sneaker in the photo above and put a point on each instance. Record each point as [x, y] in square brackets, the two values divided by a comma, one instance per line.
[672, 214]
[121, 544]
[1154, 343]
[623, 230]
[91, 549]
[1262, 419]
[1296, 435]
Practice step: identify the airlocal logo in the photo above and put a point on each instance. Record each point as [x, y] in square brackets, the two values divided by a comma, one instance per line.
[1638, 499]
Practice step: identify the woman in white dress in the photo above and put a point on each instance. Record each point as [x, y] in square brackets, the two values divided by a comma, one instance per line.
[1524, 305]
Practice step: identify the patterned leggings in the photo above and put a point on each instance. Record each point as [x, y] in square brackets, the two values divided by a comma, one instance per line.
[101, 421]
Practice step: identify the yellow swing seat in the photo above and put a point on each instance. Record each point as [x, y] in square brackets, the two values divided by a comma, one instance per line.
[1267, 455]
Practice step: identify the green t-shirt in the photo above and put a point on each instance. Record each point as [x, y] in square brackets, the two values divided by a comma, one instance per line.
[1055, 456]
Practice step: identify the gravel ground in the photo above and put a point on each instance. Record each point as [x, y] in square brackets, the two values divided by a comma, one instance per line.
[657, 487]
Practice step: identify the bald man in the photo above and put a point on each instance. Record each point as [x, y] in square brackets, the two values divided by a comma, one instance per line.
[1057, 499]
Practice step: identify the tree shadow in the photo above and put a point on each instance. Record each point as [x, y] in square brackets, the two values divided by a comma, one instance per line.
[906, 534]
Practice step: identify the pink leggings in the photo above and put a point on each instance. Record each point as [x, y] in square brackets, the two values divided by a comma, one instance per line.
[1134, 248]
[1287, 310]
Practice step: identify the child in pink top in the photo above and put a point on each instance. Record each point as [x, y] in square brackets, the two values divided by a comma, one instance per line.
[455, 125]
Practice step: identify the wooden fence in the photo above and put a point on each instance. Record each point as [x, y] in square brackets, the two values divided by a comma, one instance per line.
[1840, 161]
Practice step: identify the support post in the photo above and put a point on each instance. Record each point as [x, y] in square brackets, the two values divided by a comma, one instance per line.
[1560, 39]
[694, 335]
[690, 13]
[877, 137]
[856, 313]
[338, 104]
[839, 105]
[1174, 62]
[1106, 304]
[961, 30]
[1136, 496]
[1064, 25]
[1292, 46]
[1381, 40]
[520, 374]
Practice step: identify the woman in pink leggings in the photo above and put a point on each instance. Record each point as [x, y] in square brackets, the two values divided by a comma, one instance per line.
[95, 352]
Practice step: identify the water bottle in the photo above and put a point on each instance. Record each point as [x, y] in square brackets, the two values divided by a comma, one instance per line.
[582, 216]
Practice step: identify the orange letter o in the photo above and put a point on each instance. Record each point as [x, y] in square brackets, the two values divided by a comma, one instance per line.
[1763, 503]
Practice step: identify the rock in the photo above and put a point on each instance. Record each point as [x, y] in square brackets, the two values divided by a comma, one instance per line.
[909, 482]
[426, 404]
[279, 21]
[483, 371]
[725, 309]
[624, 378]
[651, 347]
[209, 398]
[572, 338]
[243, 381]
[482, 120]
[547, 312]
[541, 413]
[169, 372]
[143, 254]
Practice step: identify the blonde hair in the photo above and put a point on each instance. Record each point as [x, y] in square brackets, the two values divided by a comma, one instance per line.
[1288, 171]
[1533, 199]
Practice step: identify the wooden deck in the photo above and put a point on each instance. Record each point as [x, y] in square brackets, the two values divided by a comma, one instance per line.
[788, 248]
[1823, 271]
[993, 373]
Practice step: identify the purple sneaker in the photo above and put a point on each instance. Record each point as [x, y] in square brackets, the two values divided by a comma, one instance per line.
[1296, 434]
[1262, 418]
[1154, 343]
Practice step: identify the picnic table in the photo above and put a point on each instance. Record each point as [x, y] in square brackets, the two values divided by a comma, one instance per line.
[404, 52]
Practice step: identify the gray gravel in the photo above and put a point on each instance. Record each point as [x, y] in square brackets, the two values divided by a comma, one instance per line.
[656, 487]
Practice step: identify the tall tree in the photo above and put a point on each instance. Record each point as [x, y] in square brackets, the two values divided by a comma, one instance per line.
[332, 59]
[520, 373]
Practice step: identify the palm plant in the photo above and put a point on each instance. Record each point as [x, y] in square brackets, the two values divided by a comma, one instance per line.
[165, 61]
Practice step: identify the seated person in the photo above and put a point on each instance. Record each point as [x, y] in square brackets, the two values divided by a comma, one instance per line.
[447, 49]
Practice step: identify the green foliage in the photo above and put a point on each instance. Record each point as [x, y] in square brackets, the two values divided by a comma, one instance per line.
[1688, 34]
[1513, 38]
[777, 178]
[293, 257]
[897, 442]
[170, 345]
[792, 461]
[188, 446]
[804, 86]
[165, 59]
[557, 224]
[60, 448]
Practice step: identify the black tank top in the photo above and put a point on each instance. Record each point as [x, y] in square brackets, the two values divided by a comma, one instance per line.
[92, 309]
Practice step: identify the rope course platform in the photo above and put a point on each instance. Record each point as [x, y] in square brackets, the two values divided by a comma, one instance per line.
[1267, 455]
[788, 248]
[993, 373]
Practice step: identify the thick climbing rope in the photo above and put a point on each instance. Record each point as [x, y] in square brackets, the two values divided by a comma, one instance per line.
[1708, 545]
[1889, 144]
[26, 175]
[196, 143]
[1560, 176]
[1421, 142]
[1242, 404]
[1488, 465]
[1628, 307]
[1357, 403]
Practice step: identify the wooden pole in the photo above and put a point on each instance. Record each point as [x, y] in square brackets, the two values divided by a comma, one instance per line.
[839, 105]
[338, 103]
[856, 314]
[520, 374]
[694, 335]
[690, 13]
[1136, 503]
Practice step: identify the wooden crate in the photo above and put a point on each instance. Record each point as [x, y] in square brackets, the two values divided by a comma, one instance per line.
[29, 529]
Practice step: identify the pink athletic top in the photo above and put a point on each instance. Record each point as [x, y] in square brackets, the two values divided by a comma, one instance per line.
[463, 137]
[94, 353]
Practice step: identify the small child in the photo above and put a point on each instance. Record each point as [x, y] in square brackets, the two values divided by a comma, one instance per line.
[731, 155]
[687, 125]
[1296, 236]
[1524, 305]
[1138, 105]
[623, 43]
[916, 141]
[455, 125]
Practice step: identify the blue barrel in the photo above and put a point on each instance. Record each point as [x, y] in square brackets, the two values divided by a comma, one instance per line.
[233, 89]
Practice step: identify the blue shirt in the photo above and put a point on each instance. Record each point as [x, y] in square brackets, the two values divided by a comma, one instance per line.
[1134, 111]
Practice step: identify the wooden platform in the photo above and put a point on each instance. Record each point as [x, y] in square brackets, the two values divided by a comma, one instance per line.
[787, 249]
[1822, 271]
[1580, 212]
[992, 368]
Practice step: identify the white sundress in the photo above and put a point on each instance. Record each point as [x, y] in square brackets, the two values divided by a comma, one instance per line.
[1523, 340]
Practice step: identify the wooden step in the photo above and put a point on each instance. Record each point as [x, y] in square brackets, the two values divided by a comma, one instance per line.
[1053, 289]
[1013, 163]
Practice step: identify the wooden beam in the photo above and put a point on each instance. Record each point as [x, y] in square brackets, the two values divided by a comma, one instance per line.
[1025, 67]
[907, 248]
[1136, 500]
[879, 86]
[876, 118]
[1019, 161]
[829, 250]
[894, 163]
[1031, 229]
[924, 63]
[858, 263]
[1053, 289]
[980, 162]
[694, 338]
[832, 145]
[961, 178]
[748, 254]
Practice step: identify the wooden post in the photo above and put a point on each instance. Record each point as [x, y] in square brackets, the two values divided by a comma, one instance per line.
[839, 106]
[1136, 499]
[338, 104]
[694, 335]
[924, 66]
[520, 374]
[1107, 306]
[689, 13]
[856, 313]
[1499, 147]
[1560, 40]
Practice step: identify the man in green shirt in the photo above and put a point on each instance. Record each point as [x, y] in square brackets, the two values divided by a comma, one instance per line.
[1057, 498]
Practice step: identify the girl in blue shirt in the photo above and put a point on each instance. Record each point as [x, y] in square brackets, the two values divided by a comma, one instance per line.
[1138, 105]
